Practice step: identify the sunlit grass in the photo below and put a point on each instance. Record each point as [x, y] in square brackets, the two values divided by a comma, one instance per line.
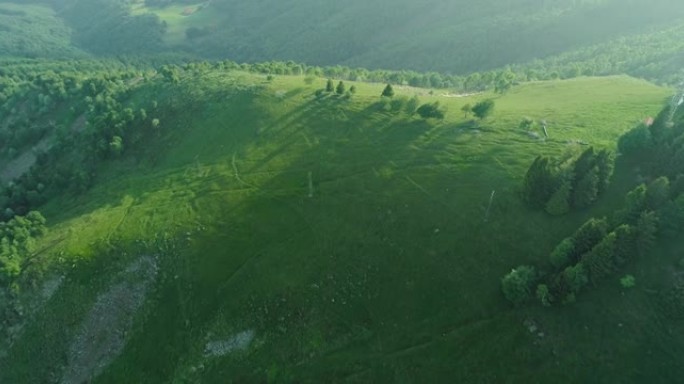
[389, 263]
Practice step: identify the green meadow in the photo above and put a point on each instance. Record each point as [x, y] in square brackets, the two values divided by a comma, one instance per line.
[180, 17]
[356, 241]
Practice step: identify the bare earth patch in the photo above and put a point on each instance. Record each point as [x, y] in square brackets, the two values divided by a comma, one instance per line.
[50, 287]
[102, 335]
[24, 162]
[460, 95]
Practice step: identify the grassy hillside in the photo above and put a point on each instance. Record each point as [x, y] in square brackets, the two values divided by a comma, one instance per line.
[331, 239]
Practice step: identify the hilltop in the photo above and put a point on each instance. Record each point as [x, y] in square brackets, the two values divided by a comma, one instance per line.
[275, 232]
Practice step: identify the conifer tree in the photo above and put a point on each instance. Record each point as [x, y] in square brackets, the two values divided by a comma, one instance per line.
[575, 277]
[586, 191]
[587, 236]
[605, 163]
[517, 285]
[658, 193]
[625, 244]
[600, 261]
[562, 254]
[340, 88]
[584, 163]
[646, 229]
[388, 91]
[559, 204]
[539, 183]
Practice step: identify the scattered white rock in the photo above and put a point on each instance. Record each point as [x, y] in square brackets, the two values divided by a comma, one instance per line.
[50, 287]
[239, 342]
[102, 335]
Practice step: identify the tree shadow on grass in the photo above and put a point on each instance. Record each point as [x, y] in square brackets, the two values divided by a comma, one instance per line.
[382, 248]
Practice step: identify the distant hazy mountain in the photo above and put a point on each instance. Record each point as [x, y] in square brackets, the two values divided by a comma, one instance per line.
[455, 36]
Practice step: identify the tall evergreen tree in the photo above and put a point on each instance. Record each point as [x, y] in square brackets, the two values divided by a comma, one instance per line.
[563, 253]
[539, 182]
[605, 163]
[587, 236]
[635, 204]
[575, 277]
[625, 244]
[600, 262]
[329, 86]
[584, 164]
[636, 140]
[559, 203]
[388, 91]
[659, 129]
[646, 229]
[340, 89]
[658, 193]
[586, 190]
[518, 284]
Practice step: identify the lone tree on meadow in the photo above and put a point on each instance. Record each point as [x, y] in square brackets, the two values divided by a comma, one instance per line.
[340, 88]
[388, 91]
[431, 111]
[517, 285]
[540, 182]
[329, 86]
[483, 109]
[466, 109]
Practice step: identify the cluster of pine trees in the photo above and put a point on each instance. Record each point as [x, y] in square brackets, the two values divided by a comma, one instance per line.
[474, 82]
[601, 247]
[558, 186]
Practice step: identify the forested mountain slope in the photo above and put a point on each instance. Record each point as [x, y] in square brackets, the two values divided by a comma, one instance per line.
[435, 35]
[590, 37]
[35, 30]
